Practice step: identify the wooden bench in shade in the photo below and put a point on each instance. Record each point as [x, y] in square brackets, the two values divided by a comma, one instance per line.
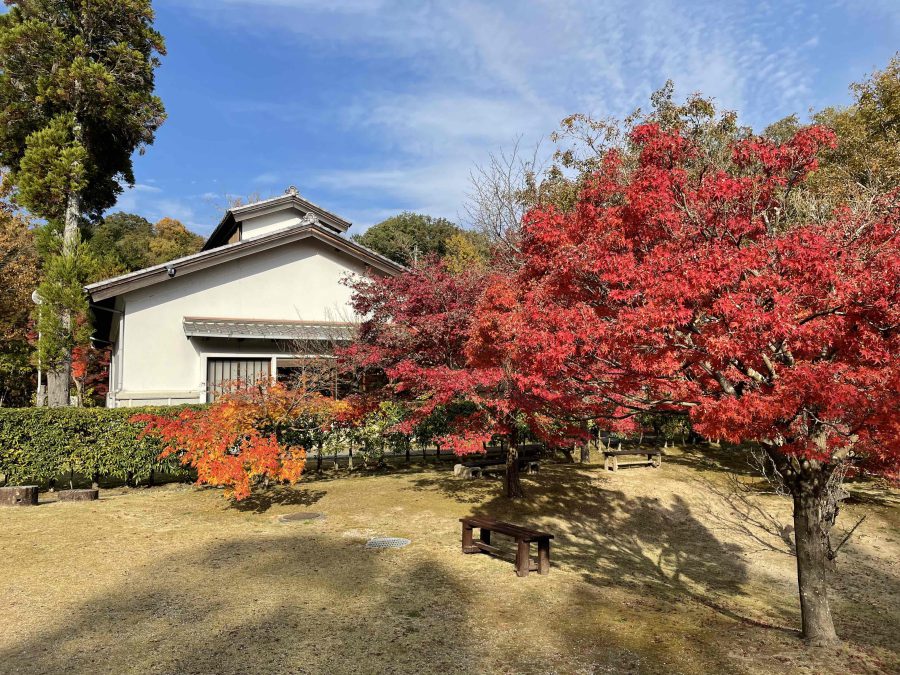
[611, 458]
[480, 466]
[523, 536]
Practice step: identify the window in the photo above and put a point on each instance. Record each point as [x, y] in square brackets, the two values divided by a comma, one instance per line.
[227, 373]
[319, 373]
[311, 373]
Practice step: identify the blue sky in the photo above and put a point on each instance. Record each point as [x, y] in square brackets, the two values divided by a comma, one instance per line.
[371, 107]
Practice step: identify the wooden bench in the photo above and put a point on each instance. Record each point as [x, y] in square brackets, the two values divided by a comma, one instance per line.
[611, 458]
[523, 536]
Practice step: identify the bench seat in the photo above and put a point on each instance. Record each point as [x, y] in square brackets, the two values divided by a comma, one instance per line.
[524, 536]
[611, 458]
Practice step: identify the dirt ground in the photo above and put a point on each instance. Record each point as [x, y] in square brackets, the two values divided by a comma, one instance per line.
[653, 571]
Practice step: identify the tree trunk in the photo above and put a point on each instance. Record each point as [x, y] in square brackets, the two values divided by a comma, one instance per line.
[59, 375]
[585, 453]
[811, 539]
[512, 482]
[79, 392]
[814, 514]
[58, 384]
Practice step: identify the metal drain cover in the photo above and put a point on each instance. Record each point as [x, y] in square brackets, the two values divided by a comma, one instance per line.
[387, 542]
[302, 515]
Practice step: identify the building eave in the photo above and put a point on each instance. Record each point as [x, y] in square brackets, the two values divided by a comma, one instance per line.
[149, 276]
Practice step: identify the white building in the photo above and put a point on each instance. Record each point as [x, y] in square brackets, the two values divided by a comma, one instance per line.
[268, 278]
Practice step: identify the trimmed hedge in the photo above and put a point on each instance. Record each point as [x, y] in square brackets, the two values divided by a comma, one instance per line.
[40, 444]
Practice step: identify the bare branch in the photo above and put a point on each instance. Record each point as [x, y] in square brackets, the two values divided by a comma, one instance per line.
[501, 192]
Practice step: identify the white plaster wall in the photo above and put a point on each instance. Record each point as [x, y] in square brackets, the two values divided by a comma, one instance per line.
[157, 363]
[269, 222]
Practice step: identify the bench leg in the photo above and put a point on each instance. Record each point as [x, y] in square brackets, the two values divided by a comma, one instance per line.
[523, 561]
[615, 463]
[657, 461]
[544, 556]
[468, 545]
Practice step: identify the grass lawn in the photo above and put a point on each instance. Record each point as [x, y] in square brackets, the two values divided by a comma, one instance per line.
[652, 572]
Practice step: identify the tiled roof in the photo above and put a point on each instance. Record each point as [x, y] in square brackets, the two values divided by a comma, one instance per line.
[267, 329]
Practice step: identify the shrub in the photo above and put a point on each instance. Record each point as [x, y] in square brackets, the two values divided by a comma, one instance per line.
[40, 444]
[248, 437]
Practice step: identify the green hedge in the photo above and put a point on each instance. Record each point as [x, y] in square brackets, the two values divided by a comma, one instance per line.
[40, 444]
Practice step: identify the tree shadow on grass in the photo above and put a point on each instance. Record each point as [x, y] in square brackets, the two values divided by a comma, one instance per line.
[871, 492]
[302, 604]
[713, 457]
[317, 602]
[864, 597]
[360, 473]
[615, 540]
[462, 490]
[280, 495]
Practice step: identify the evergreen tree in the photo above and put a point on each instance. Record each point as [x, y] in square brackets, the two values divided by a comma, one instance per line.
[408, 236]
[120, 242]
[171, 239]
[124, 242]
[76, 101]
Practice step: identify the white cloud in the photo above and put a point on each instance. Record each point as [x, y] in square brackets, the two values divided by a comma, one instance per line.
[144, 187]
[267, 178]
[484, 74]
[420, 187]
[152, 203]
[889, 10]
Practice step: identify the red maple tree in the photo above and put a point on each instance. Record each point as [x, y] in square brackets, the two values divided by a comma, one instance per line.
[676, 283]
[417, 330]
[90, 372]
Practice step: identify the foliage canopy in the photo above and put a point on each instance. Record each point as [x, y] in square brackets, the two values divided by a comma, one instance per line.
[76, 99]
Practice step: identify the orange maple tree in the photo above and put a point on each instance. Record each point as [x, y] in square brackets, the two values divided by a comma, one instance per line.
[247, 437]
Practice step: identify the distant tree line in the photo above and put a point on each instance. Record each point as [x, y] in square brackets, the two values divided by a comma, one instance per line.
[117, 244]
[409, 237]
[124, 242]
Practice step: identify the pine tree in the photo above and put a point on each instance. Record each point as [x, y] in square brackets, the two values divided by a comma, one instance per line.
[76, 101]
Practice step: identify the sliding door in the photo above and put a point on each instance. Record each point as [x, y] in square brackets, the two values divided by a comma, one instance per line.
[224, 374]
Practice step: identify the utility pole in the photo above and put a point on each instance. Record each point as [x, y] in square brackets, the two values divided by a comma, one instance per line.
[40, 396]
